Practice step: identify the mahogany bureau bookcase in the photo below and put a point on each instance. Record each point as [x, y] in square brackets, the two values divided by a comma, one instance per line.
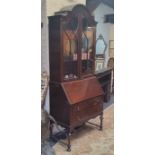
[75, 93]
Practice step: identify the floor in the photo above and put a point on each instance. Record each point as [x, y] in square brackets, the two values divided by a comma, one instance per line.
[89, 140]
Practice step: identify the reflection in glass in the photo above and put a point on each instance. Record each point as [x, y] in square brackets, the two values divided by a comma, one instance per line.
[70, 45]
[90, 36]
[100, 47]
[87, 50]
[66, 47]
[84, 43]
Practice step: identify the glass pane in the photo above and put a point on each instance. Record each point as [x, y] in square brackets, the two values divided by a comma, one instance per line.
[87, 51]
[84, 43]
[70, 44]
[66, 46]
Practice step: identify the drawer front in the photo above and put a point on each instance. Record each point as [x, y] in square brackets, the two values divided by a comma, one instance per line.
[87, 109]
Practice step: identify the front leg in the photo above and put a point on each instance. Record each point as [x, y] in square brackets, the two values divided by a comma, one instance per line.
[68, 139]
[101, 121]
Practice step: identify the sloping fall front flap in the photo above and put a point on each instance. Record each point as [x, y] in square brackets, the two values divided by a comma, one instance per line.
[80, 90]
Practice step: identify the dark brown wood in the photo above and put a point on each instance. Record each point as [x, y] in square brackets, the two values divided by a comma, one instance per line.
[81, 90]
[72, 107]
[75, 96]
[104, 77]
[54, 48]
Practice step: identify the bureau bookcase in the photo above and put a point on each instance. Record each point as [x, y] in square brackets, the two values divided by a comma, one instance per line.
[75, 93]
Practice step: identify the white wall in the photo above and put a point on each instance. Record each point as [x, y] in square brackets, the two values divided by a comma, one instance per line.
[44, 38]
[106, 29]
[111, 37]
[44, 46]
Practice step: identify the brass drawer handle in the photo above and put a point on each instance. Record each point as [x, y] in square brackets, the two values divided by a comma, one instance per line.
[95, 103]
[78, 118]
[78, 108]
[97, 100]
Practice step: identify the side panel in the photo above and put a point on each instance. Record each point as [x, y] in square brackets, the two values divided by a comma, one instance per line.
[59, 108]
[54, 48]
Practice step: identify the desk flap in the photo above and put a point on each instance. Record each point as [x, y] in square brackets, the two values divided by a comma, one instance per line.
[80, 90]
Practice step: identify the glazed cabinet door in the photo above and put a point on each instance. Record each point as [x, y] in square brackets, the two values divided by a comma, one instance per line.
[70, 49]
[87, 48]
[78, 39]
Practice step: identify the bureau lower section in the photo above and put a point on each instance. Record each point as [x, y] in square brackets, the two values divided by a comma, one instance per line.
[71, 116]
[74, 103]
[75, 115]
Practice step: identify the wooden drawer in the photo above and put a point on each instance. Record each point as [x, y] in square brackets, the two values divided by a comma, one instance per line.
[87, 109]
